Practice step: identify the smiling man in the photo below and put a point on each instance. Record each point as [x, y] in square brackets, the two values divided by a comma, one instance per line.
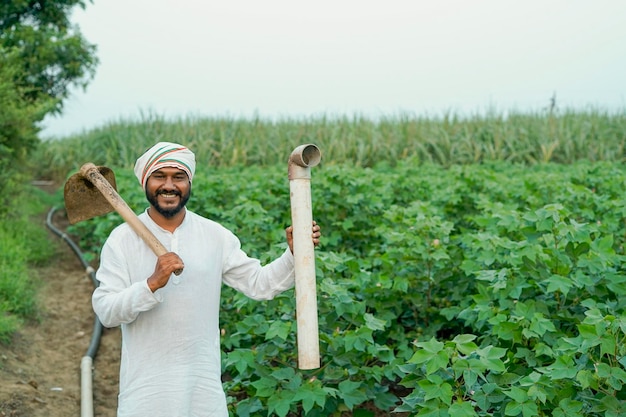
[168, 191]
[170, 364]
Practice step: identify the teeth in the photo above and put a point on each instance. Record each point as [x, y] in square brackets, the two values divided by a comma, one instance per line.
[168, 195]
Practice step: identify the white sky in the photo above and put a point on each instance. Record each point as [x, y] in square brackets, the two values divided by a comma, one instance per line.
[279, 58]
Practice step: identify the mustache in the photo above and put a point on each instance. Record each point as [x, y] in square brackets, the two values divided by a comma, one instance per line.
[178, 193]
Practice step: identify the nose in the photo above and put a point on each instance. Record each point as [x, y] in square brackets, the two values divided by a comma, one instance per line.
[168, 182]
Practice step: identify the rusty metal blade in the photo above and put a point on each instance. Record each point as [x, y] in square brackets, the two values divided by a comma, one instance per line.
[83, 200]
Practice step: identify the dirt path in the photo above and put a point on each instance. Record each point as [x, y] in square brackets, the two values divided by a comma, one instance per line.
[40, 371]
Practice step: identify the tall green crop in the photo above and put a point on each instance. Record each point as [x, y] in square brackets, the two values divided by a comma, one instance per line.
[520, 138]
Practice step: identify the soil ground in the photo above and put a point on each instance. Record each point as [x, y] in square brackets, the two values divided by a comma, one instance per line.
[40, 370]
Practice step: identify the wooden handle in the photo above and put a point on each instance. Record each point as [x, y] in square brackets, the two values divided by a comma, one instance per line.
[90, 172]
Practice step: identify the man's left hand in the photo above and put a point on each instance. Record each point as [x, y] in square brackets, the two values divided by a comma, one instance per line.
[315, 235]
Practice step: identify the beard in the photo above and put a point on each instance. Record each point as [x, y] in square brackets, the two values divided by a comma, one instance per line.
[168, 213]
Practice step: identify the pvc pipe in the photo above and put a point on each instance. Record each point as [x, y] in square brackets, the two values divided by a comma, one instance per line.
[86, 387]
[86, 368]
[300, 162]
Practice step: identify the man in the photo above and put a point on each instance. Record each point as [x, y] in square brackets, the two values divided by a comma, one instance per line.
[170, 361]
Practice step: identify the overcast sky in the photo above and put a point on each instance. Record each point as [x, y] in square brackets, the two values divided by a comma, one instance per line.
[279, 59]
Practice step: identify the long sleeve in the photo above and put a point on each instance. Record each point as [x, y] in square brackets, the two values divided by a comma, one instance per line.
[258, 282]
[118, 300]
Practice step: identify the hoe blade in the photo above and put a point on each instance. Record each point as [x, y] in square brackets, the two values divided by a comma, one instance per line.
[83, 200]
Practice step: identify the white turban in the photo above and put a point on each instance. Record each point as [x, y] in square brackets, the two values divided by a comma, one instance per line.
[161, 155]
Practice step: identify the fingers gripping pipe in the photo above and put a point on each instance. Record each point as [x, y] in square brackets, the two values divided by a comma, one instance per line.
[300, 162]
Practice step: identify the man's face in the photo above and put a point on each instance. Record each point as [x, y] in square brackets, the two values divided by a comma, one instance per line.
[168, 190]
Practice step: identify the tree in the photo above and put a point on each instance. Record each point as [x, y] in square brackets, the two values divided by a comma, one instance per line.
[41, 56]
[18, 132]
[52, 53]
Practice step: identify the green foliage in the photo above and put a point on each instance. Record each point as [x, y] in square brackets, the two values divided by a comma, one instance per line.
[23, 243]
[52, 53]
[562, 137]
[473, 290]
[18, 115]
[40, 57]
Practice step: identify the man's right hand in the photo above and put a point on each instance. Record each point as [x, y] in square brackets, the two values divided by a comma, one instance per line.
[165, 267]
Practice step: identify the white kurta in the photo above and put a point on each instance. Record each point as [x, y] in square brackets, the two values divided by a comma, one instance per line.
[170, 362]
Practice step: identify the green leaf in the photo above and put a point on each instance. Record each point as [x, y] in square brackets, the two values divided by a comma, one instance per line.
[576, 250]
[441, 391]
[590, 334]
[431, 354]
[433, 410]
[242, 359]
[284, 374]
[543, 349]
[527, 409]
[310, 394]
[432, 346]
[559, 283]
[593, 316]
[265, 387]
[433, 361]
[280, 402]
[280, 329]
[619, 373]
[248, 406]
[507, 330]
[605, 244]
[517, 394]
[530, 409]
[490, 357]
[536, 392]
[586, 379]
[513, 408]
[568, 408]
[613, 405]
[608, 345]
[359, 339]
[462, 409]
[540, 325]
[352, 393]
[382, 352]
[562, 368]
[373, 323]
[465, 343]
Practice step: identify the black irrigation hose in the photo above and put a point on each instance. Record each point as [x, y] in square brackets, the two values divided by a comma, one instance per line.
[97, 327]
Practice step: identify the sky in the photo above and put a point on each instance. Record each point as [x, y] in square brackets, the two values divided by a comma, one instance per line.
[279, 59]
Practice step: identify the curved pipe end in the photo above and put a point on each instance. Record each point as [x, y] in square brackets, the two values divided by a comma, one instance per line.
[301, 159]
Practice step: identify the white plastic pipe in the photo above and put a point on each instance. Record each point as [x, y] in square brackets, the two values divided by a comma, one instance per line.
[300, 162]
[86, 387]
